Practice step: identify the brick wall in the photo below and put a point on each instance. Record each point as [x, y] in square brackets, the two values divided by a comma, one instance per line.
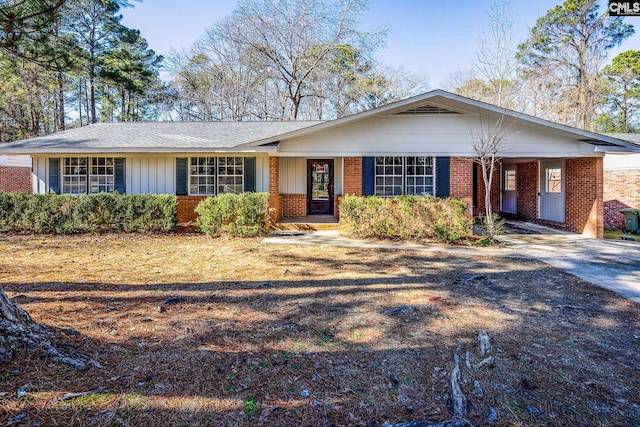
[352, 184]
[13, 178]
[621, 190]
[461, 179]
[495, 191]
[274, 189]
[336, 206]
[527, 186]
[186, 207]
[584, 207]
[293, 205]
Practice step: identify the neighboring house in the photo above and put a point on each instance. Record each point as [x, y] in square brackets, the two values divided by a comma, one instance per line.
[621, 183]
[550, 174]
[15, 173]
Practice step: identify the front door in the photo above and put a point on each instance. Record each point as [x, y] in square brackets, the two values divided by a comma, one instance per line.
[509, 189]
[320, 187]
[552, 190]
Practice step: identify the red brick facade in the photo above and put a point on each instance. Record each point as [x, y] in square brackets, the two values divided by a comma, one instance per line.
[527, 186]
[186, 206]
[352, 184]
[479, 209]
[293, 205]
[584, 209]
[621, 190]
[274, 189]
[13, 178]
[461, 182]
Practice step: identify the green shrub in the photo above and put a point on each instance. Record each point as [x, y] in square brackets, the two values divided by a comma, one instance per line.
[406, 218]
[242, 214]
[95, 213]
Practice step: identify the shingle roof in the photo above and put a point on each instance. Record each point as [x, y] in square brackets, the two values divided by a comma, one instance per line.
[631, 137]
[161, 136]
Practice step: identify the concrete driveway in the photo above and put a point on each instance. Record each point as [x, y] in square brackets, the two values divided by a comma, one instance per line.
[611, 264]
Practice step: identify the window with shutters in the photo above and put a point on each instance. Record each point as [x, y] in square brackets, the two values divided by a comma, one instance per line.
[396, 175]
[93, 175]
[209, 176]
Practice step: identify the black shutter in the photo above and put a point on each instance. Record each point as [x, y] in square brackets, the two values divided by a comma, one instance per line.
[442, 176]
[181, 176]
[119, 181]
[368, 176]
[250, 174]
[54, 175]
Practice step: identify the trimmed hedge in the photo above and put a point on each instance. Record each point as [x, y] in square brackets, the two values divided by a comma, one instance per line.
[95, 213]
[242, 214]
[406, 218]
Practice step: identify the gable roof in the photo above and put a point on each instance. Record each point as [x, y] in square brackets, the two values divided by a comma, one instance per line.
[154, 136]
[442, 102]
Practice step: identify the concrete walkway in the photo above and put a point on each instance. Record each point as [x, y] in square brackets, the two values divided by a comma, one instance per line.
[614, 265]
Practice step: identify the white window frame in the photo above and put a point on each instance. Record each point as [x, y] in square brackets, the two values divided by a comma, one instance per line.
[229, 180]
[74, 176]
[102, 174]
[387, 174]
[557, 188]
[204, 173]
[412, 180]
[216, 175]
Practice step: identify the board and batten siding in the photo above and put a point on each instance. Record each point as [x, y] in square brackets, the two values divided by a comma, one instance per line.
[293, 174]
[147, 173]
[433, 135]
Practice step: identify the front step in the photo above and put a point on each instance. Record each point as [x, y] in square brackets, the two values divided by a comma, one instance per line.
[310, 223]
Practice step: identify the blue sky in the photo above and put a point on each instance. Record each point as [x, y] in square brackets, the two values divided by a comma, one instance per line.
[434, 37]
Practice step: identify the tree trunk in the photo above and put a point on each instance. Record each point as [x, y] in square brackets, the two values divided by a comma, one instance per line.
[19, 331]
[61, 121]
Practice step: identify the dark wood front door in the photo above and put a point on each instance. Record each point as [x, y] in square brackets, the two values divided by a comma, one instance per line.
[320, 187]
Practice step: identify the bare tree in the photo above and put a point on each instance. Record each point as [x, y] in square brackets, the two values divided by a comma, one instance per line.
[496, 53]
[488, 140]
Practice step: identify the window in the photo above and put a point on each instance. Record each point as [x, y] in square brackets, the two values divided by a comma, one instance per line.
[204, 181]
[101, 177]
[419, 175]
[230, 175]
[389, 176]
[554, 180]
[202, 176]
[74, 175]
[404, 175]
[510, 180]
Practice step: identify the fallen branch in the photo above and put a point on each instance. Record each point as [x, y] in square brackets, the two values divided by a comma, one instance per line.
[573, 307]
[458, 401]
[68, 396]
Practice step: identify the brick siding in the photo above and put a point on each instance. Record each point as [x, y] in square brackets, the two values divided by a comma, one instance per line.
[527, 186]
[352, 176]
[274, 189]
[14, 178]
[584, 209]
[293, 205]
[461, 179]
[186, 206]
[495, 192]
[621, 190]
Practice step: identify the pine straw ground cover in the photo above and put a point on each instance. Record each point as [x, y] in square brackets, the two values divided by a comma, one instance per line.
[260, 326]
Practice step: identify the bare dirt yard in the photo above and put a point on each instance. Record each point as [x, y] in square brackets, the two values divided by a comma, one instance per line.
[195, 331]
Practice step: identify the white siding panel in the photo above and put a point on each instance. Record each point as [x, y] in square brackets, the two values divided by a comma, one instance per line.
[621, 161]
[435, 135]
[262, 174]
[338, 176]
[43, 177]
[153, 175]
